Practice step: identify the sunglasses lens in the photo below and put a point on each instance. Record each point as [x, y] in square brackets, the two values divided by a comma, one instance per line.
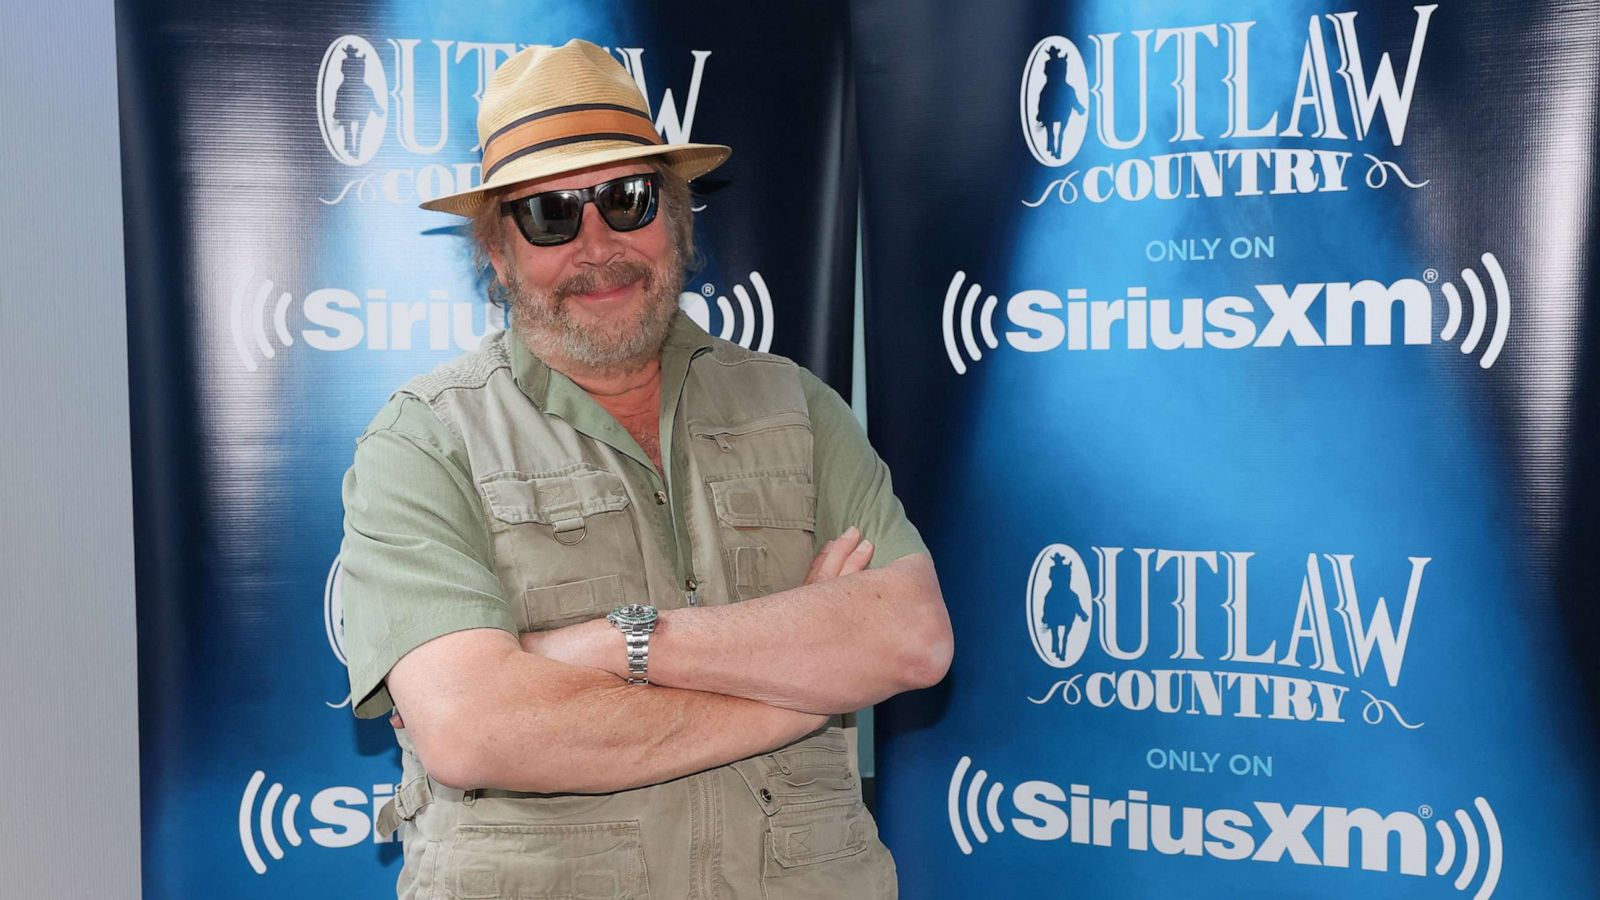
[627, 203]
[549, 218]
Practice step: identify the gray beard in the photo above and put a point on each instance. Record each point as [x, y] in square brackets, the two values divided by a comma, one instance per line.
[543, 320]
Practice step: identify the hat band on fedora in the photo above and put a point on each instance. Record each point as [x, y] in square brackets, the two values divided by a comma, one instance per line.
[566, 125]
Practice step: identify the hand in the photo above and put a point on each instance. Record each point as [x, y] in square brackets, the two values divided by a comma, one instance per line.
[846, 554]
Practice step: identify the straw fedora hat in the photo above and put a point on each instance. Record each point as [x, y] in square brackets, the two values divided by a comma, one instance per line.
[550, 110]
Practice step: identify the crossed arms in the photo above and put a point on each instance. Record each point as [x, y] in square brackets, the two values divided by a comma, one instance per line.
[552, 713]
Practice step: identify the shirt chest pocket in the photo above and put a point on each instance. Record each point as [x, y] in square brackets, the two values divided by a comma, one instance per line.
[564, 543]
[768, 526]
[774, 442]
[757, 472]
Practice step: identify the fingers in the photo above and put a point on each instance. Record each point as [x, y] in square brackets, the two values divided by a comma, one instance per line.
[844, 555]
[833, 555]
[858, 559]
[812, 575]
[396, 722]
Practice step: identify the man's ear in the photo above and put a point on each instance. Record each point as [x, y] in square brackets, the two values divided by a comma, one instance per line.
[497, 258]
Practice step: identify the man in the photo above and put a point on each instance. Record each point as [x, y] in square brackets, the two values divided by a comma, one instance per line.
[582, 564]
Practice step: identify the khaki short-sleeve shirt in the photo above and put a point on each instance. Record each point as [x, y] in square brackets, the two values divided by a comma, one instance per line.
[416, 554]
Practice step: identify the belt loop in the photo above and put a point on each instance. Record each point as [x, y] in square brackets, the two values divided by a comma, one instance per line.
[404, 805]
[411, 798]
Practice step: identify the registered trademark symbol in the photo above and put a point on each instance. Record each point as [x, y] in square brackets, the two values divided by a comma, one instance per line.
[708, 290]
[1425, 810]
[1430, 275]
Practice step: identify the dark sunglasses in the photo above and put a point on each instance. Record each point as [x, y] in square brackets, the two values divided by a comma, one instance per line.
[553, 217]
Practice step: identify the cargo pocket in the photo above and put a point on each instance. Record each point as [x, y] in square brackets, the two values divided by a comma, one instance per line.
[562, 529]
[768, 526]
[820, 841]
[417, 872]
[600, 861]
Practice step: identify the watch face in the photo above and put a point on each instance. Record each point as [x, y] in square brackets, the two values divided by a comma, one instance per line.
[634, 614]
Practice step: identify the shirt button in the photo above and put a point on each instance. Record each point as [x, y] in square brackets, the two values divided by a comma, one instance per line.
[691, 584]
[661, 498]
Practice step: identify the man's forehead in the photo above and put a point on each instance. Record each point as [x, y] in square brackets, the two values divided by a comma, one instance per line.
[578, 179]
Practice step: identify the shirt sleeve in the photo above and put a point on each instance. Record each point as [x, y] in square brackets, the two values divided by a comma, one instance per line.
[416, 558]
[853, 484]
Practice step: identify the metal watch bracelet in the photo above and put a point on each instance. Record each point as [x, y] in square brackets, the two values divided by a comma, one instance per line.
[638, 657]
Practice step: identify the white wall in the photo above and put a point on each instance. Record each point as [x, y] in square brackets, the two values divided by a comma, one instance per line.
[69, 826]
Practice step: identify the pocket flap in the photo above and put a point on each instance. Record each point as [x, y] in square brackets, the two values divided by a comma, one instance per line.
[558, 603]
[804, 836]
[554, 499]
[810, 772]
[765, 503]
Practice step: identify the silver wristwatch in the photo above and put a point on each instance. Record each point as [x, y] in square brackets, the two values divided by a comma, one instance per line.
[636, 621]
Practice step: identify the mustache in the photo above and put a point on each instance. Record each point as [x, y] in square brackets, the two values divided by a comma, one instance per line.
[611, 275]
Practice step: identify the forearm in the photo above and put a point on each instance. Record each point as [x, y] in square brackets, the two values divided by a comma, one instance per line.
[534, 724]
[830, 647]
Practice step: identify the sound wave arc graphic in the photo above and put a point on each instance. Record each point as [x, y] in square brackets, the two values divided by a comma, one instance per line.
[1482, 315]
[745, 319]
[974, 790]
[1487, 848]
[263, 824]
[253, 330]
[952, 321]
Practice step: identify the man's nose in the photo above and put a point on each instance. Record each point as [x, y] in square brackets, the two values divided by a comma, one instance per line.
[596, 243]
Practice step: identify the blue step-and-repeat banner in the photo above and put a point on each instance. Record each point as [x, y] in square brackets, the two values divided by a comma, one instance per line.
[282, 282]
[1237, 361]
[1232, 358]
